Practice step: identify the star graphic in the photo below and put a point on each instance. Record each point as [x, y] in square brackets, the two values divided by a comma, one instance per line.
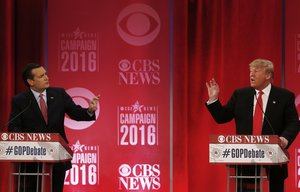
[78, 34]
[78, 147]
[137, 107]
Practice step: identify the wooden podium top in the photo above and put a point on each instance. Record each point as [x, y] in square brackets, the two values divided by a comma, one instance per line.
[246, 149]
[33, 147]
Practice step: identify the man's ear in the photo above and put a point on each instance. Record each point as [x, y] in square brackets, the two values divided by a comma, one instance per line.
[30, 82]
[269, 76]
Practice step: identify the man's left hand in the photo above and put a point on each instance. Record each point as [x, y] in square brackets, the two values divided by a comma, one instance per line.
[93, 104]
[283, 142]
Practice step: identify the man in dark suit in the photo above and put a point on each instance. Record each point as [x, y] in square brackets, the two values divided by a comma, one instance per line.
[29, 105]
[277, 108]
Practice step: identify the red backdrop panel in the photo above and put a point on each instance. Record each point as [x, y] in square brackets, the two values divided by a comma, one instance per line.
[120, 50]
[225, 36]
[292, 79]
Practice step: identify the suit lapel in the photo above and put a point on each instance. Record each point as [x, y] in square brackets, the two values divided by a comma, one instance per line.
[35, 107]
[245, 111]
[271, 105]
[50, 103]
[250, 100]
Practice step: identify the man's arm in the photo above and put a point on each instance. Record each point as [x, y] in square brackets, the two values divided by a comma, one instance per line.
[291, 127]
[220, 113]
[14, 117]
[78, 113]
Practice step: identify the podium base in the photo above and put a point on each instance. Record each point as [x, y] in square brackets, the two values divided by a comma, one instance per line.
[33, 177]
[246, 178]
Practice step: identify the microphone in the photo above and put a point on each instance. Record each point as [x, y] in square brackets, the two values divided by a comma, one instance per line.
[15, 117]
[266, 117]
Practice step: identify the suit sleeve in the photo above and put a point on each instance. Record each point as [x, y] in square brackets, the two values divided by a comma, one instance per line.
[291, 127]
[16, 110]
[220, 113]
[76, 112]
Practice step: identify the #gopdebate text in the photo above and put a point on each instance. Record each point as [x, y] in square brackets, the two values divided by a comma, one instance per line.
[243, 153]
[25, 150]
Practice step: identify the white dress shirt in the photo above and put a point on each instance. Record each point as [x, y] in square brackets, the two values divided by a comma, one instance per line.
[37, 96]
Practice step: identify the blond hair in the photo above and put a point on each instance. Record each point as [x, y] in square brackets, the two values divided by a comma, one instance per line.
[264, 63]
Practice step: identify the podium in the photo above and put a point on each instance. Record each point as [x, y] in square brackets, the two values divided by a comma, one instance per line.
[41, 148]
[236, 150]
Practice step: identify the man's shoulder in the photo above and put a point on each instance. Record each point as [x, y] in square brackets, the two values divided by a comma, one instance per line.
[55, 90]
[245, 90]
[22, 95]
[23, 98]
[280, 90]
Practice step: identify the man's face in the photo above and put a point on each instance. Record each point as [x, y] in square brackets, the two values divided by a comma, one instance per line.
[40, 80]
[259, 79]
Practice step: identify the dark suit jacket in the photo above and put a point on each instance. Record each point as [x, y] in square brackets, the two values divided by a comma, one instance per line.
[281, 117]
[59, 103]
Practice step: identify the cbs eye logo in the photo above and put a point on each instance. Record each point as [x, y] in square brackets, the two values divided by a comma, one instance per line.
[221, 139]
[138, 24]
[4, 136]
[82, 97]
[124, 65]
[125, 170]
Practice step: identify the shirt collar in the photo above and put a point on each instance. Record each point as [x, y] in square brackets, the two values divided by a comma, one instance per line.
[37, 94]
[265, 90]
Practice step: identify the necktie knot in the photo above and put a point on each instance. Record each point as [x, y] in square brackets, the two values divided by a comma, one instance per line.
[259, 98]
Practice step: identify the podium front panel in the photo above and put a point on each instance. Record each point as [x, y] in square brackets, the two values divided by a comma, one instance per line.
[246, 149]
[33, 147]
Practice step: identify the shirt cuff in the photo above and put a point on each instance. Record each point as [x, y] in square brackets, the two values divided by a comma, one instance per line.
[208, 102]
[91, 114]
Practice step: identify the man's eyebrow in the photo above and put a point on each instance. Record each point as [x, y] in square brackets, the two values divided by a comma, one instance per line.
[42, 75]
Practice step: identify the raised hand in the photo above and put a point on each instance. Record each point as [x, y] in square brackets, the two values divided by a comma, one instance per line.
[213, 90]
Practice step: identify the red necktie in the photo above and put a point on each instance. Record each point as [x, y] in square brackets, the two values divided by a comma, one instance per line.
[43, 108]
[258, 115]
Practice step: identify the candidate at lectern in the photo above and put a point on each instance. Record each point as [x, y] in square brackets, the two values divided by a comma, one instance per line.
[42, 109]
[261, 108]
